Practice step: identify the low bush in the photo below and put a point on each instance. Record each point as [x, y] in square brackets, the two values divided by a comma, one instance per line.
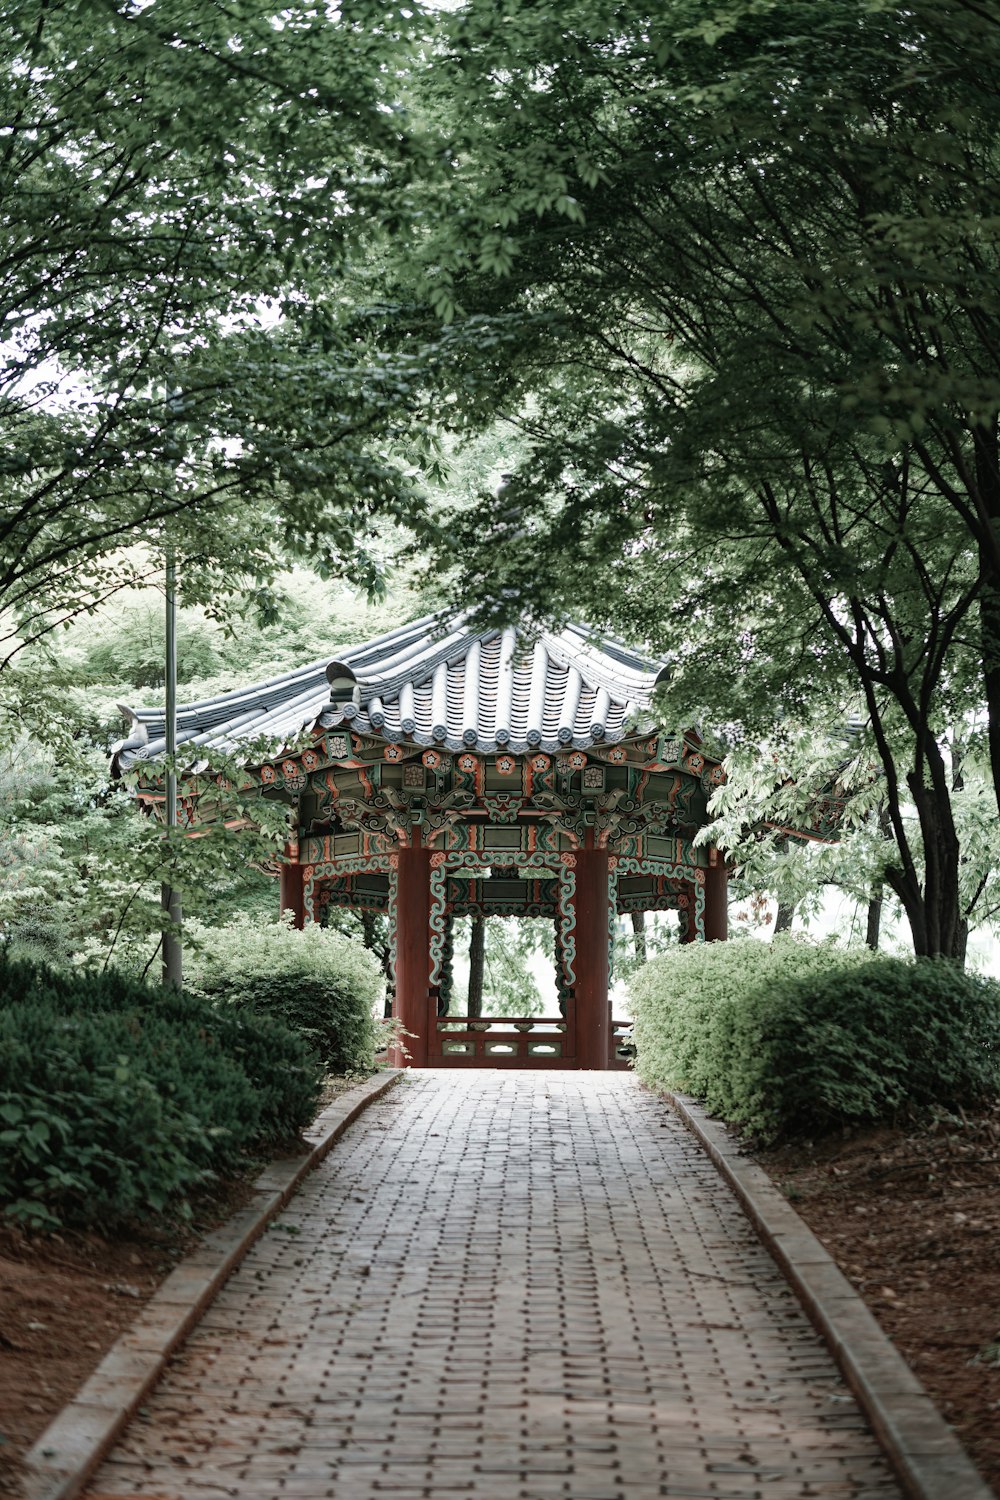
[320, 983]
[791, 1038]
[686, 1002]
[117, 1099]
[279, 1065]
[865, 1044]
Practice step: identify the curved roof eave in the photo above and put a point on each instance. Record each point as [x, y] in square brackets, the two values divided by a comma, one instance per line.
[432, 683]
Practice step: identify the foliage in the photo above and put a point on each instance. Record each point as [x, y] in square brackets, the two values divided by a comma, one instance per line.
[117, 1100]
[635, 945]
[131, 648]
[299, 618]
[866, 1044]
[174, 345]
[80, 869]
[801, 809]
[280, 1069]
[684, 1002]
[789, 1038]
[806, 809]
[371, 928]
[318, 982]
[509, 988]
[740, 301]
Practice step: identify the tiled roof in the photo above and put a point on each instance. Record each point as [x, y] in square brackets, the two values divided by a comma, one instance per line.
[432, 682]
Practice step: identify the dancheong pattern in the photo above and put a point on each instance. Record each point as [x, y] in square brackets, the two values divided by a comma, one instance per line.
[499, 761]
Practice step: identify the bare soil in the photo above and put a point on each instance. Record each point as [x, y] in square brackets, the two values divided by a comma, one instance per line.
[912, 1217]
[65, 1299]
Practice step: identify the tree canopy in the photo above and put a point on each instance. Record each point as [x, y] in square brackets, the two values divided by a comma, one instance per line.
[180, 189]
[728, 274]
[741, 300]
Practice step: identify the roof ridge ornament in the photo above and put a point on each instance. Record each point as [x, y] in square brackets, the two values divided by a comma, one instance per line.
[345, 690]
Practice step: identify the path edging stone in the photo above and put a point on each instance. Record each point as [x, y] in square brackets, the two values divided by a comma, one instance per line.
[926, 1454]
[72, 1447]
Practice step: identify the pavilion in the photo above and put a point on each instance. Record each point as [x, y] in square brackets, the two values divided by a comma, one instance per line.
[438, 771]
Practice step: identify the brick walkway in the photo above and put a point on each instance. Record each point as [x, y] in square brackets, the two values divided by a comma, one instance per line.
[518, 1286]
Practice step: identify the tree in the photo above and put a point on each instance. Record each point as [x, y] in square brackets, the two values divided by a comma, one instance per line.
[803, 813]
[477, 961]
[80, 869]
[180, 188]
[509, 987]
[742, 300]
[499, 952]
[80, 872]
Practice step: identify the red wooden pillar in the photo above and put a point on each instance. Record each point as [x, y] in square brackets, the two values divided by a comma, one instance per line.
[716, 899]
[291, 895]
[413, 953]
[593, 1031]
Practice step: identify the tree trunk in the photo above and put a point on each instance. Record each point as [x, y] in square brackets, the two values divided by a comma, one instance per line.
[988, 484]
[963, 942]
[941, 865]
[477, 953]
[874, 918]
[912, 901]
[933, 910]
[783, 920]
[639, 928]
[989, 617]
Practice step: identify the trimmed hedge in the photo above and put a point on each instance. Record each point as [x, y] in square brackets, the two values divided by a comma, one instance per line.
[686, 1001]
[117, 1099]
[793, 1038]
[323, 985]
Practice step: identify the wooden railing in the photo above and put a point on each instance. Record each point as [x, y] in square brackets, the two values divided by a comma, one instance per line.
[524, 1041]
[622, 1045]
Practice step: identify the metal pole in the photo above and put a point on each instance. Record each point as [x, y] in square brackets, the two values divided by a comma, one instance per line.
[170, 900]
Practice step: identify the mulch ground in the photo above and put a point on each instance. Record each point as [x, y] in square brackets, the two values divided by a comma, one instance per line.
[911, 1215]
[65, 1299]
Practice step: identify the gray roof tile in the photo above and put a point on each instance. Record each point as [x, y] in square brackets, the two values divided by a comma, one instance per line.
[434, 681]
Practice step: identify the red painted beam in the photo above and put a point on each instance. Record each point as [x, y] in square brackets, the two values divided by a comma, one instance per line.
[716, 899]
[291, 896]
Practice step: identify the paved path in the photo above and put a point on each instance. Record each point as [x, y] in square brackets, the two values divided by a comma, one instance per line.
[505, 1286]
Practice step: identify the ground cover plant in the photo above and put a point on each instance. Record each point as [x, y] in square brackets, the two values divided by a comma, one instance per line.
[323, 985]
[794, 1038]
[118, 1100]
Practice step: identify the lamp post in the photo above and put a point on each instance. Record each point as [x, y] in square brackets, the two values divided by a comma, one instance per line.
[170, 900]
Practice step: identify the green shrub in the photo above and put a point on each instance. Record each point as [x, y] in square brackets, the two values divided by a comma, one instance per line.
[792, 1037]
[686, 1001]
[279, 1065]
[322, 984]
[117, 1099]
[863, 1044]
